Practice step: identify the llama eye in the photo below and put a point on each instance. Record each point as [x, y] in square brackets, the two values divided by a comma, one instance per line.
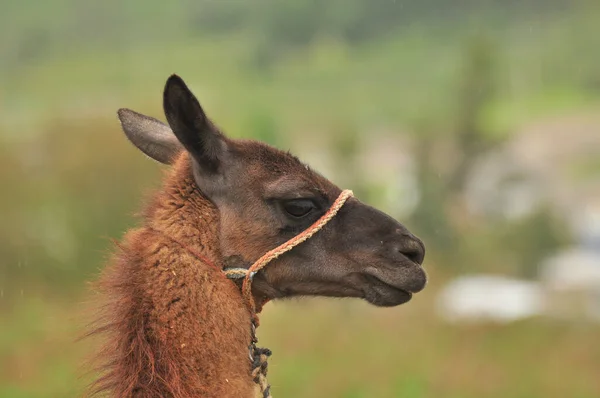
[298, 207]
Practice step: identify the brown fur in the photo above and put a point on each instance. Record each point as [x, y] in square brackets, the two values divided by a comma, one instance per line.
[175, 327]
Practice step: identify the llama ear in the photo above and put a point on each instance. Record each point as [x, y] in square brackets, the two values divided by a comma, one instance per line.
[191, 126]
[149, 135]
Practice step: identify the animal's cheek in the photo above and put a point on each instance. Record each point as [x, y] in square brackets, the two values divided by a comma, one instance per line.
[246, 239]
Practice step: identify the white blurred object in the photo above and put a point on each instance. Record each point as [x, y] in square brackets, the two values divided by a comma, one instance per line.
[573, 269]
[571, 280]
[495, 298]
[536, 167]
[569, 288]
[586, 223]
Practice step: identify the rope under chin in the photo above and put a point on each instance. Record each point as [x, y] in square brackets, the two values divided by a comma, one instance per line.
[259, 356]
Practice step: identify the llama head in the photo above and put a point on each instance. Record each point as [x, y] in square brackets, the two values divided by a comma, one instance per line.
[265, 196]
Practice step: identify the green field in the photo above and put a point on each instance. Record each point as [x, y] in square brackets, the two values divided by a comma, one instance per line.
[300, 78]
[325, 348]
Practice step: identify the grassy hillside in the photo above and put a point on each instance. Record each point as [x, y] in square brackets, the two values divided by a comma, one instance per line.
[304, 75]
[85, 60]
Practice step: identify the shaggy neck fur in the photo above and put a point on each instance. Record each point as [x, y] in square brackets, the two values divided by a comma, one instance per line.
[176, 327]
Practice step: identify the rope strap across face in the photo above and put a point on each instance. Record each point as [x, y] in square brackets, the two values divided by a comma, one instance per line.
[248, 274]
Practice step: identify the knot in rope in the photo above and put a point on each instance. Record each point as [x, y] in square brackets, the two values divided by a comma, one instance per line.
[259, 370]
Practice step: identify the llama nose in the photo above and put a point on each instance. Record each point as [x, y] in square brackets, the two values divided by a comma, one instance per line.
[410, 247]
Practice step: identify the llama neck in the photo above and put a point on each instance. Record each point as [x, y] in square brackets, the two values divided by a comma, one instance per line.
[179, 327]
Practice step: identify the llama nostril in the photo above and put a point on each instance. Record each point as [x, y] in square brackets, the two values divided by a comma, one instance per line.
[414, 255]
[413, 249]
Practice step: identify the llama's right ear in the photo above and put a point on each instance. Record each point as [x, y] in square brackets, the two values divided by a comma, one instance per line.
[150, 136]
[191, 125]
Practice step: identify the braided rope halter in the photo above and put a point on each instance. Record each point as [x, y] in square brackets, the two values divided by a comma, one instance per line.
[259, 356]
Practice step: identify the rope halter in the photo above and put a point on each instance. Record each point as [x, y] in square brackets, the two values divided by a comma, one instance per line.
[248, 274]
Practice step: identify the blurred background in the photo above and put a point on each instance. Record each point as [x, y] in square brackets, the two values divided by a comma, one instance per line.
[475, 123]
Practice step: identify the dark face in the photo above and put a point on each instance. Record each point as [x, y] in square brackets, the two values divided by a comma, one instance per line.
[265, 197]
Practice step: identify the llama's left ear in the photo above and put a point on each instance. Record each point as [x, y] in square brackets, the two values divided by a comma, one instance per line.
[150, 136]
[191, 125]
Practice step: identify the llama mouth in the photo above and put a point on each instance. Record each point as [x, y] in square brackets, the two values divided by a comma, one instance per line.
[383, 294]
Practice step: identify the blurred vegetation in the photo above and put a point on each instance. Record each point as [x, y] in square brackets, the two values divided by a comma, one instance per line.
[456, 79]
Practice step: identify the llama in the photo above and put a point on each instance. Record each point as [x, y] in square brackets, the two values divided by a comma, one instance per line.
[175, 325]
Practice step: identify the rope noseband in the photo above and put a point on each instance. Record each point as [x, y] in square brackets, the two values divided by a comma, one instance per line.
[259, 356]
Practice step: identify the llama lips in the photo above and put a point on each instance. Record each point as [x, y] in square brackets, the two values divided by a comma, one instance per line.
[383, 294]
